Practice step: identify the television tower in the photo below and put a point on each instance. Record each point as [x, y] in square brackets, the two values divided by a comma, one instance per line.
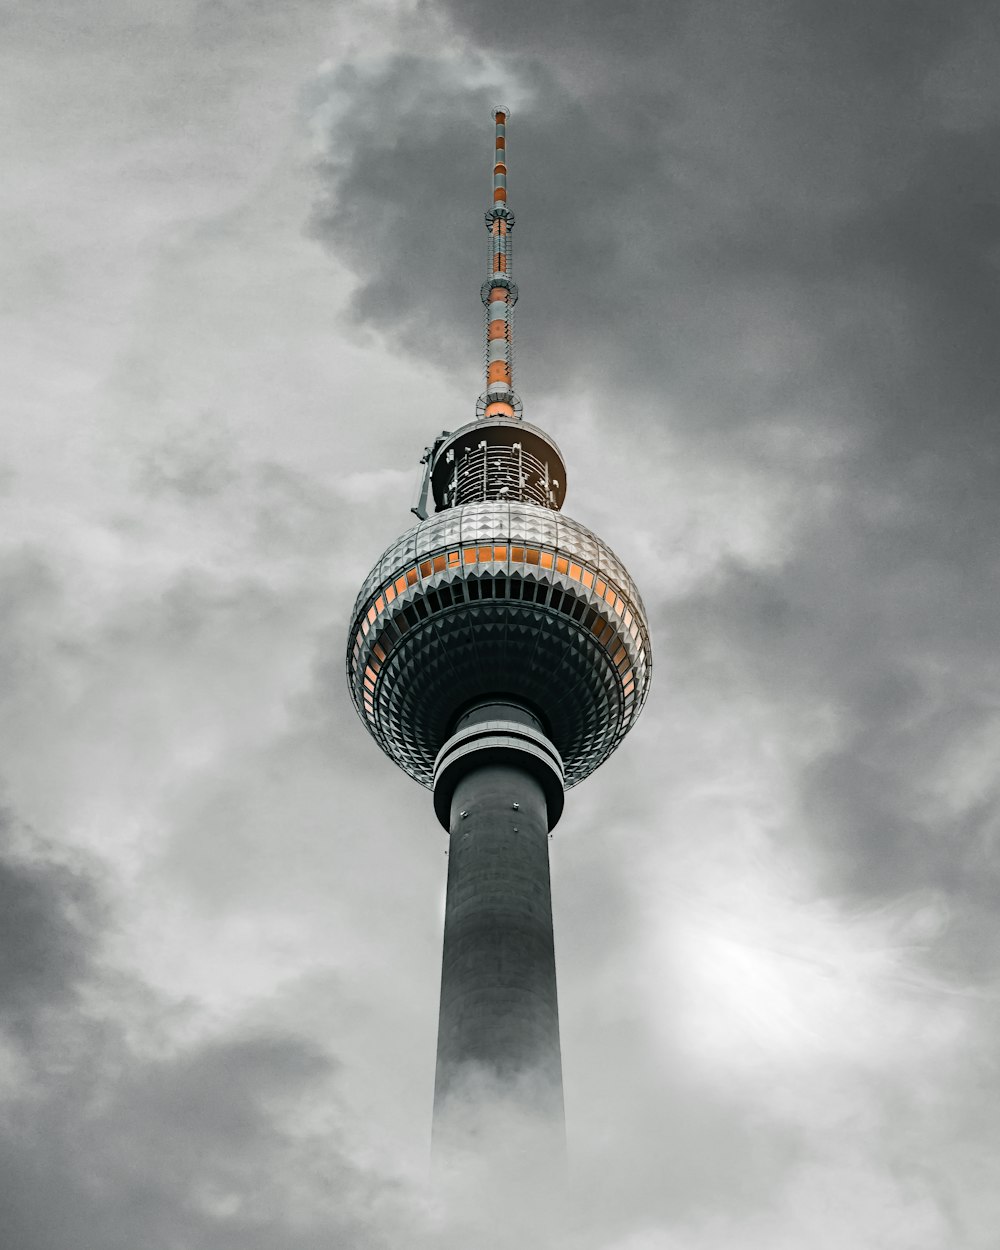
[498, 653]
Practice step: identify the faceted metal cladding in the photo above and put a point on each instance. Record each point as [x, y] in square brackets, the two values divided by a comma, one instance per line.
[493, 599]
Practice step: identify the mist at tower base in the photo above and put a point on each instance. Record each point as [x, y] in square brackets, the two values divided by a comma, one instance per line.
[240, 292]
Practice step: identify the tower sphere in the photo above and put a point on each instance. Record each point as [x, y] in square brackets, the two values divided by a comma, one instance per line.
[497, 598]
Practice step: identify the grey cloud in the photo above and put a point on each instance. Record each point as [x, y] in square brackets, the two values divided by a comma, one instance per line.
[49, 919]
[771, 162]
[767, 218]
[107, 1148]
[742, 227]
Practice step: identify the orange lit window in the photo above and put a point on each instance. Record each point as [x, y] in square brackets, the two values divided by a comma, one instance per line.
[379, 652]
[425, 568]
[600, 586]
[598, 626]
[499, 553]
[607, 633]
[371, 615]
[390, 593]
[546, 560]
[628, 619]
[365, 627]
[609, 596]
[369, 686]
[369, 672]
[618, 655]
[575, 571]
[401, 583]
[588, 578]
[628, 677]
[562, 565]
[470, 555]
[379, 604]
[619, 605]
[439, 563]
[454, 557]
[531, 555]
[517, 554]
[411, 576]
[486, 553]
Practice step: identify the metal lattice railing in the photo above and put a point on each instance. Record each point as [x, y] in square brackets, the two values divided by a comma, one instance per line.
[504, 473]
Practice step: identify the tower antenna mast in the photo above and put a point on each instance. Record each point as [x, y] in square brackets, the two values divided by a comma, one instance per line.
[499, 291]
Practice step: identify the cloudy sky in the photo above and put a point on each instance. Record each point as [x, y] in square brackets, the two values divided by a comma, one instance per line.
[758, 249]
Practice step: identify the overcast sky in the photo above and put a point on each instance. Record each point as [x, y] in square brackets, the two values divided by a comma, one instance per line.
[758, 250]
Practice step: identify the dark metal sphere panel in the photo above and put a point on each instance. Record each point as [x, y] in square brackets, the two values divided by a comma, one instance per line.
[492, 599]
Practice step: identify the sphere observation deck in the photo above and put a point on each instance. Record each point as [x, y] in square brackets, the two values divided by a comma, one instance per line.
[495, 598]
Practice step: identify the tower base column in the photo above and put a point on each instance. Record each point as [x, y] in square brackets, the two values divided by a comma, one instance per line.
[498, 1039]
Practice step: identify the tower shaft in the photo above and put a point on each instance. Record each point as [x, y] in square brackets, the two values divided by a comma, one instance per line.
[499, 1018]
[498, 1036]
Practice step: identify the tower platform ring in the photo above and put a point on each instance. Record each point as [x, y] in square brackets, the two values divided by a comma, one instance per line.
[498, 599]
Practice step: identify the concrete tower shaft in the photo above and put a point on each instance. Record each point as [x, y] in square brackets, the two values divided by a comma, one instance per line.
[499, 787]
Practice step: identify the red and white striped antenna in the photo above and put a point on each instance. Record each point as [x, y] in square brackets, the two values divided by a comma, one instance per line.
[499, 291]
